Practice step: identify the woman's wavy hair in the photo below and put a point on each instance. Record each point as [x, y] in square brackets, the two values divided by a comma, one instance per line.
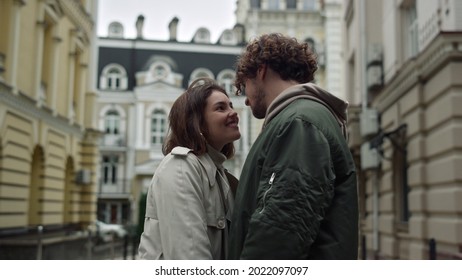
[291, 59]
[187, 125]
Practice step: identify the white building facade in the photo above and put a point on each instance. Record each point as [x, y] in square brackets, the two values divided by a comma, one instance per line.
[138, 81]
[315, 21]
[403, 63]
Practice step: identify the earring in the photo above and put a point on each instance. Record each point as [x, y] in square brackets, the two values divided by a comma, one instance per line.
[203, 137]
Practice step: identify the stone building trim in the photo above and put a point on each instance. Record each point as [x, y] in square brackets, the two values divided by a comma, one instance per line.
[27, 106]
[445, 47]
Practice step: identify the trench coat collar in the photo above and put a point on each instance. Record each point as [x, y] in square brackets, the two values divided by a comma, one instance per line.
[211, 161]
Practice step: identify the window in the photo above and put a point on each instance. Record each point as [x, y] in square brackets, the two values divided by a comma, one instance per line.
[308, 5]
[202, 36]
[273, 4]
[160, 71]
[256, 4]
[109, 165]
[291, 4]
[226, 80]
[400, 181]
[114, 77]
[411, 34]
[116, 30]
[48, 27]
[201, 73]
[75, 110]
[311, 43]
[47, 59]
[112, 123]
[228, 38]
[158, 126]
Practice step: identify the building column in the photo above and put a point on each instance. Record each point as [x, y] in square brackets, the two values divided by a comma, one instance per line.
[54, 71]
[89, 152]
[70, 88]
[40, 31]
[81, 94]
[139, 125]
[13, 48]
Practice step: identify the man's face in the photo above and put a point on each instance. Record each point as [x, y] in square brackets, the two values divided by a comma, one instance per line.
[255, 98]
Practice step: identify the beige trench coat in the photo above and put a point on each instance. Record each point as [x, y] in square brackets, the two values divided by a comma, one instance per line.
[185, 216]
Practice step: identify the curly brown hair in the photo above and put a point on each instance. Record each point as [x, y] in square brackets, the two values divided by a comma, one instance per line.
[291, 59]
[187, 124]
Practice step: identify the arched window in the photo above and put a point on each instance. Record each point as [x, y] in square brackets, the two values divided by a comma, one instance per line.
[158, 126]
[158, 71]
[201, 73]
[116, 30]
[113, 77]
[202, 36]
[112, 122]
[226, 80]
[228, 38]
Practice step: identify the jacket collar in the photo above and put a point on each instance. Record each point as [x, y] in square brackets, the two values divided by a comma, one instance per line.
[336, 106]
[211, 161]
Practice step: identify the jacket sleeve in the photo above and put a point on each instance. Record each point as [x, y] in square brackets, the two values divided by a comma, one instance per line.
[177, 194]
[295, 189]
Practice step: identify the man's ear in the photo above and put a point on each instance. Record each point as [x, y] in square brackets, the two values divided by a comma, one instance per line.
[261, 72]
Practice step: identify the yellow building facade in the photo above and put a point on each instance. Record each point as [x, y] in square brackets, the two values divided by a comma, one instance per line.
[48, 147]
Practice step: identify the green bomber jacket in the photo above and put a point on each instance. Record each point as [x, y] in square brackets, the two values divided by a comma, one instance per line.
[297, 193]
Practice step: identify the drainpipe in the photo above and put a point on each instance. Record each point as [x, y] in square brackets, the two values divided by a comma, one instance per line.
[363, 52]
[364, 106]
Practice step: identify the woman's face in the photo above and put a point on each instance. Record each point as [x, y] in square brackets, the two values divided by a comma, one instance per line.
[221, 120]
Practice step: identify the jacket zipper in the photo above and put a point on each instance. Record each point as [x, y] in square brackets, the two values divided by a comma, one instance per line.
[270, 182]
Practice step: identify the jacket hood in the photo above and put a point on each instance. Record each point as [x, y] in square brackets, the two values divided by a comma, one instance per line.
[336, 106]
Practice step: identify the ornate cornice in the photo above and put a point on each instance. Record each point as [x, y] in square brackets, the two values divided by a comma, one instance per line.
[20, 2]
[447, 46]
[27, 107]
[77, 14]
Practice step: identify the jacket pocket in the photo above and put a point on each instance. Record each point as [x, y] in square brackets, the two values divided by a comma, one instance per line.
[270, 186]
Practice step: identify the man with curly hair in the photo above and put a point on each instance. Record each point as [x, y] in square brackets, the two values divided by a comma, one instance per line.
[297, 193]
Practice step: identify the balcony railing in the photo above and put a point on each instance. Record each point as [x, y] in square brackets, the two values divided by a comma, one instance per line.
[121, 188]
[113, 140]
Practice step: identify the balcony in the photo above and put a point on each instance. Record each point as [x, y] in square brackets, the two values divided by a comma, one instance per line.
[112, 140]
[119, 189]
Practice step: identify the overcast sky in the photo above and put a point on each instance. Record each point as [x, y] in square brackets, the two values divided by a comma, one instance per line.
[215, 15]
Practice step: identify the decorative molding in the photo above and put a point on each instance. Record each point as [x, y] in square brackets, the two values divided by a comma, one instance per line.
[27, 107]
[20, 2]
[444, 48]
[167, 46]
[78, 15]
